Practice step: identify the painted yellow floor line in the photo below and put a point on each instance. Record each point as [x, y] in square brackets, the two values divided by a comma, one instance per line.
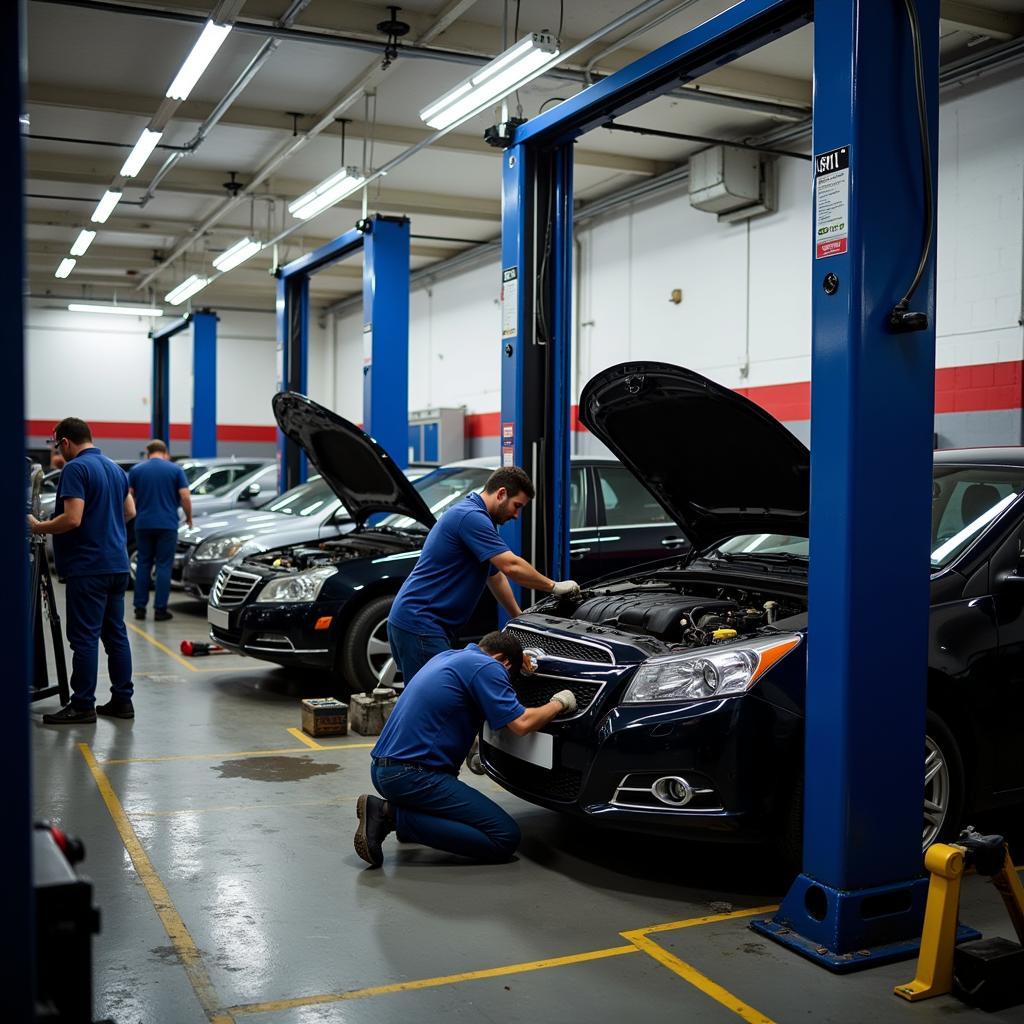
[227, 754]
[408, 986]
[175, 927]
[698, 980]
[308, 740]
[696, 922]
[160, 647]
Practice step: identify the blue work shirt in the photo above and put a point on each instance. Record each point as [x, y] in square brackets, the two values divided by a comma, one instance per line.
[439, 595]
[443, 707]
[99, 545]
[155, 484]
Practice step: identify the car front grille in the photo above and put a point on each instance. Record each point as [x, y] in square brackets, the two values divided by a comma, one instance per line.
[232, 588]
[561, 784]
[552, 646]
[535, 691]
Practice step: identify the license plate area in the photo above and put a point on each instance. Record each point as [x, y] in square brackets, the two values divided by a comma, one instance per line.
[218, 617]
[536, 748]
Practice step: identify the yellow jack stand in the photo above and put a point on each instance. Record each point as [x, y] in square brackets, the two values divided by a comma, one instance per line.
[946, 863]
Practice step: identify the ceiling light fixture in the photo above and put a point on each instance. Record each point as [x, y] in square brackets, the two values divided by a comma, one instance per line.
[507, 72]
[65, 268]
[105, 206]
[238, 253]
[330, 191]
[95, 307]
[187, 288]
[207, 45]
[140, 153]
[82, 242]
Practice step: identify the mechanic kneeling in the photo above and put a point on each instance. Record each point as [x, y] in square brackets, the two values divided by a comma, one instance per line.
[416, 759]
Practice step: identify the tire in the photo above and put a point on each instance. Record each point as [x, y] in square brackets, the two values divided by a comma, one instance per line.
[943, 798]
[364, 662]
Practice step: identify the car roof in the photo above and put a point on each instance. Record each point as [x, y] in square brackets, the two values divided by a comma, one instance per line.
[492, 462]
[1009, 455]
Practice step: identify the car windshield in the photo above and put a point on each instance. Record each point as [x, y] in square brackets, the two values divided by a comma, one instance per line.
[439, 490]
[305, 500]
[965, 499]
[757, 545]
[194, 471]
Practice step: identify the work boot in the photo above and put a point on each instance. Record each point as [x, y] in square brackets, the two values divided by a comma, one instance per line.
[375, 824]
[116, 709]
[140, 613]
[162, 614]
[70, 715]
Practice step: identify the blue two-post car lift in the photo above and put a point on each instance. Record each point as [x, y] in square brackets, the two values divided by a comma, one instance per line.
[860, 896]
[384, 243]
[204, 381]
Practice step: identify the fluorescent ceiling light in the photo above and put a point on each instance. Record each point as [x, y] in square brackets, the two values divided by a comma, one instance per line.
[238, 253]
[105, 206]
[95, 307]
[506, 73]
[140, 153]
[82, 242]
[198, 60]
[65, 268]
[188, 287]
[330, 191]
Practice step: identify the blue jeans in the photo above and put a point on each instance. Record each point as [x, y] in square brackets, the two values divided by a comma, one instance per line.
[154, 546]
[95, 612]
[435, 809]
[412, 651]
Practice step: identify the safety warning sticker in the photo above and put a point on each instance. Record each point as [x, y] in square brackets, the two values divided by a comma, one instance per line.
[510, 302]
[508, 444]
[831, 202]
[367, 348]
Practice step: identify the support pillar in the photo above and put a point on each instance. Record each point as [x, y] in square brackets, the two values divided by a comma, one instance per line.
[204, 384]
[292, 358]
[160, 391]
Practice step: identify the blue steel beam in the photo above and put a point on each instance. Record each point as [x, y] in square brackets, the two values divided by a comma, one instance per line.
[292, 360]
[386, 335]
[18, 959]
[160, 390]
[204, 384]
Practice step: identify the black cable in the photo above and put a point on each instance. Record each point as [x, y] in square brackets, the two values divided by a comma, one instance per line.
[561, 19]
[659, 133]
[899, 317]
[515, 31]
[558, 99]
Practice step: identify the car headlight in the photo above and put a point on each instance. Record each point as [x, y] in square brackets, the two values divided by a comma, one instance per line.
[711, 672]
[220, 548]
[302, 587]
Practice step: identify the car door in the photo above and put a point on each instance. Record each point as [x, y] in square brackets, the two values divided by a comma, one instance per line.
[266, 479]
[632, 526]
[584, 539]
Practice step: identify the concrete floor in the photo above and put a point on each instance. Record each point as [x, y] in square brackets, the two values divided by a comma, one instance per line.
[220, 846]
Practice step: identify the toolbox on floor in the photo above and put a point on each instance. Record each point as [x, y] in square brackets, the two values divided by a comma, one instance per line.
[324, 716]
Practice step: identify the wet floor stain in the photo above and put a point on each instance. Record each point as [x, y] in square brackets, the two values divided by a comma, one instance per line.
[273, 769]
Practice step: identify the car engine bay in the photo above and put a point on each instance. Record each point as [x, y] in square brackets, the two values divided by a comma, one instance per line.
[301, 557]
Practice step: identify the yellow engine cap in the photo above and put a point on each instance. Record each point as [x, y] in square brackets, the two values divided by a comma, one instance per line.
[723, 634]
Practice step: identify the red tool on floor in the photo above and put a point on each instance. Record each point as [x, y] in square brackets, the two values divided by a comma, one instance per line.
[196, 648]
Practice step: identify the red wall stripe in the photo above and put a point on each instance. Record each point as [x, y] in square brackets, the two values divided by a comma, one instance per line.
[128, 431]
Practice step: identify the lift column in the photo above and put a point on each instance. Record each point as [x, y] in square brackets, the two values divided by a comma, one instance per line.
[204, 384]
[860, 897]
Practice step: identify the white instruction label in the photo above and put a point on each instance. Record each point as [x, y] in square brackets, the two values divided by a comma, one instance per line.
[367, 347]
[831, 202]
[510, 302]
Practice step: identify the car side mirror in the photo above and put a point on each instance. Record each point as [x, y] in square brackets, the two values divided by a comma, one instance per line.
[250, 492]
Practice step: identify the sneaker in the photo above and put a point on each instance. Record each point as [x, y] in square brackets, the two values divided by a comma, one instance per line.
[375, 824]
[140, 613]
[70, 715]
[116, 709]
[162, 614]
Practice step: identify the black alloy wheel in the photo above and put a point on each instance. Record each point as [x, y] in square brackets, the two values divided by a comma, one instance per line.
[366, 660]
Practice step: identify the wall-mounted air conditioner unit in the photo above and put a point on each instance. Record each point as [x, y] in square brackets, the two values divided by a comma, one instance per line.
[734, 183]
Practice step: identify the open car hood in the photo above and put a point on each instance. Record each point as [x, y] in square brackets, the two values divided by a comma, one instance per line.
[356, 467]
[718, 464]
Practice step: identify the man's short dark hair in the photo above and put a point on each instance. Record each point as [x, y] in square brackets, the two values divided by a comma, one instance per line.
[501, 643]
[513, 479]
[156, 445]
[75, 430]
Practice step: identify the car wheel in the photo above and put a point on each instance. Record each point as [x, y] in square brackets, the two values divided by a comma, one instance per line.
[943, 783]
[366, 660]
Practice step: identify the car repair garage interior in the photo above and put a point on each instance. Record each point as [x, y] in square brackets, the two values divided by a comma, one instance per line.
[520, 511]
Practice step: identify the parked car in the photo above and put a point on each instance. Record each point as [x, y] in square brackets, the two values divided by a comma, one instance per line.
[194, 468]
[325, 605]
[689, 674]
[227, 488]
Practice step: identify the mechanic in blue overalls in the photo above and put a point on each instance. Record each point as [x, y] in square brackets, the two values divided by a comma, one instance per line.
[464, 553]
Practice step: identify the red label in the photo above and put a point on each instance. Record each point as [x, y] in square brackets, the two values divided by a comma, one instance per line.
[834, 248]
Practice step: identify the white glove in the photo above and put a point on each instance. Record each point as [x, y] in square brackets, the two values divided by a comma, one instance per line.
[565, 588]
[567, 699]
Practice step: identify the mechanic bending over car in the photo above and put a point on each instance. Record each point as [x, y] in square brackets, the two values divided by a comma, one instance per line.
[415, 762]
[462, 553]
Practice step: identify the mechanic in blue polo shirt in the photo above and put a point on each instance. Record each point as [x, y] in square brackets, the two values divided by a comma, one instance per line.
[159, 487]
[464, 553]
[90, 551]
[426, 738]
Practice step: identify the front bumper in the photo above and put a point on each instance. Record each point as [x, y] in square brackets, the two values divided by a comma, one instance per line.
[197, 577]
[280, 633]
[738, 755]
